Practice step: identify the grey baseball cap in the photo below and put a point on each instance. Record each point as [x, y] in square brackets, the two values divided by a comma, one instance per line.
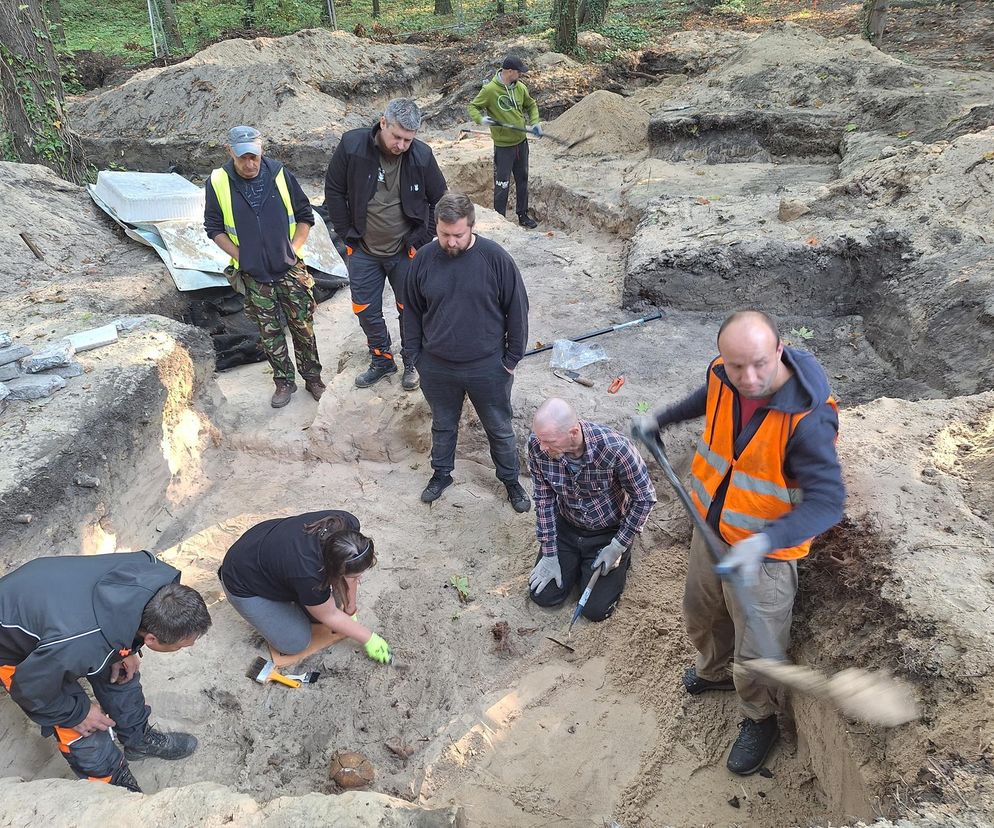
[244, 140]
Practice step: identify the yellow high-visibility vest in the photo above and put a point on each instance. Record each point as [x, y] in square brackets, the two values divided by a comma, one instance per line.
[222, 189]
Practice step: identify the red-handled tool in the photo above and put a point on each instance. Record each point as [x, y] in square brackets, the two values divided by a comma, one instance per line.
[615, 385]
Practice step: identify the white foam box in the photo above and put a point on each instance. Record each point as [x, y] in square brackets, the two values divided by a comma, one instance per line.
[136, 196]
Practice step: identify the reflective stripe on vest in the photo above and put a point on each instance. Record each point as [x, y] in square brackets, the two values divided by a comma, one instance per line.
[221, 184]
[758, 490]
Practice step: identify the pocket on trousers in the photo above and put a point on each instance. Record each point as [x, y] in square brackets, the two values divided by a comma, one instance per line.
[300, 272]
[235, 279]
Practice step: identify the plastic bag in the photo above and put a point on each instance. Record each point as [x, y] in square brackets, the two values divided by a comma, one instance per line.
[572, 356]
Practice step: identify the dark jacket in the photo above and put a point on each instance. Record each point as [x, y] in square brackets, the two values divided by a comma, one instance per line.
[68, 617]
[810, 458]
[264, 249]
[351, 180]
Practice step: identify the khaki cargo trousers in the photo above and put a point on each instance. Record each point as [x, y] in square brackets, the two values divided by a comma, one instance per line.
[716, 624]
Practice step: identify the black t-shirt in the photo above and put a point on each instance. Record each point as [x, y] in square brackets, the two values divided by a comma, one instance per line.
[278, 560]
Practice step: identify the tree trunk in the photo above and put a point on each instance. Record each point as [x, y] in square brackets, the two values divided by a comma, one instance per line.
[500, 7]
[53, 11]
[376, 8]
[876, 20]
[592, 12]
[443, 6]
[33, 127]
[564, 22]
[522, 6]
[174, 40]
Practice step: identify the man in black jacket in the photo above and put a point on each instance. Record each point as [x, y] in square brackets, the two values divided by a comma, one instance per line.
[467, 318]
[257, 213]
[380, 192]
[73, 617]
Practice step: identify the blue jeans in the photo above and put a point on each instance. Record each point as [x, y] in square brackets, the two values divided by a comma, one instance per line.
[488, 385]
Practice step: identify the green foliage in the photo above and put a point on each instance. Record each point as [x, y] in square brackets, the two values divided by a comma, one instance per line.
[202, 22]
[461, 583]
[642, 407]
[802, 332]
[625, 35]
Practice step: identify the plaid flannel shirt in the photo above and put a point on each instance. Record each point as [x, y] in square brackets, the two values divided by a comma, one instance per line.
[612, 488]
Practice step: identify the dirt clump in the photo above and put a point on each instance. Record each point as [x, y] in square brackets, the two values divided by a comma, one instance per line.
[616, 125]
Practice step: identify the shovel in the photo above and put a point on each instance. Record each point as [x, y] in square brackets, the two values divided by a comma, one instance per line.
[562, 142]
[873, 697]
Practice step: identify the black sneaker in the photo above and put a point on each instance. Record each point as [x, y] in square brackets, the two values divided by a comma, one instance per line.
[695, 685]
[751, 748]
[527, 222]
[438, 484]
[411, 381]
[161, 745]
[374, 373]
[516, 494]
[124, 778]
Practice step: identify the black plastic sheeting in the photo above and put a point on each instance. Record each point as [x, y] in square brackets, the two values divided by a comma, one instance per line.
[221, 312]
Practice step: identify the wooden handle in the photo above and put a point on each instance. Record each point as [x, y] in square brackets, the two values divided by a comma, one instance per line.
[589, 383]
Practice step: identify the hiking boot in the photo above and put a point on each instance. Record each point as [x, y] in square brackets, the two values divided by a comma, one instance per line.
[282, 394]
[411, 380]
[527, 222]
[161, 745]
[751, 748]
[695, 685]
[314, 387]
[516, 494]
[374, 373]
[124, 778]
[433, 491]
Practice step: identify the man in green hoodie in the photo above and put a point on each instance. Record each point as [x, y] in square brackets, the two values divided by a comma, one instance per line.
[504, 102]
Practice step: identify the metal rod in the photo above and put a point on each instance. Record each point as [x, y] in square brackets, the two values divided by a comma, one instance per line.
[600, 331]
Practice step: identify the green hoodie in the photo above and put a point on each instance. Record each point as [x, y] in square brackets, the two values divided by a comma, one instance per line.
[506, 105]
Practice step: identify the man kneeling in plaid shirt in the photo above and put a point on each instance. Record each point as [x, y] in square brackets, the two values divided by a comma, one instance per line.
[592, 497]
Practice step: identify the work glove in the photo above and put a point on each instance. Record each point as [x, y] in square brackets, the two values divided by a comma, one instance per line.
[609, 557]
[645, 427]
[546, 570]
[378, 649]
[745, 558]
[536, 130]
[486, 120]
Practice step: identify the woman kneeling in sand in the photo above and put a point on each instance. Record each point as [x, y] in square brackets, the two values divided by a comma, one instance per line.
[295, 580]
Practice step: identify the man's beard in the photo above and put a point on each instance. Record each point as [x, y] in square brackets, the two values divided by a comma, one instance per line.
[452, 254]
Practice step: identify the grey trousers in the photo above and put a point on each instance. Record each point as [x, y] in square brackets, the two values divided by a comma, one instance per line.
[716, 624]
[284, 625]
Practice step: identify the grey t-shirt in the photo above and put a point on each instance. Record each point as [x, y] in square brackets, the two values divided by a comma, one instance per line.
[386, 225]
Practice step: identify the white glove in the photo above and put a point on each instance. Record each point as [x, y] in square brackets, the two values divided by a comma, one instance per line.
[546, 570]
[609, 557]
[486, 120]
[745, 558]
[537, 130]
[644, 427]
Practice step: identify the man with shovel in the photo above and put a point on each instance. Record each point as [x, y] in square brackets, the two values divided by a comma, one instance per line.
[766, 479]
[592, 495]
[504, 105]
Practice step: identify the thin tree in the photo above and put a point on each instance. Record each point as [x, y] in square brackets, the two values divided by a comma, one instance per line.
[34, 128]
[443, 7]
[170, 25]
[500, 7]
[875, 12]
[376, 8]
[564, 23]
[591, 12]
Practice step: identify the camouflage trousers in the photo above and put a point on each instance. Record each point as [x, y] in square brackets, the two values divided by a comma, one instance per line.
[290, 298]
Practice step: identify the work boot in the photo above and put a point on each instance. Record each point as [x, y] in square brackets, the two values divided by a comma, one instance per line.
[751, 748]
[527, 222]
[411, 380]
[124, 778]
[314, 387]
[282, 394]
[516, 494]
[433, 491]
[695, 685]
[375, 372]
[161, 745]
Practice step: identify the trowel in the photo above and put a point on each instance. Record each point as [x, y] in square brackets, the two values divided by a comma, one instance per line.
[579, 609]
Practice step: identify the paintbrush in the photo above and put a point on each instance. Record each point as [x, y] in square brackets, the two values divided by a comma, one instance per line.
[304, 678]
[263, 670]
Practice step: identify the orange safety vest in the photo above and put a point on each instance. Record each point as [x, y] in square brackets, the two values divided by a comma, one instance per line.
[759, 490]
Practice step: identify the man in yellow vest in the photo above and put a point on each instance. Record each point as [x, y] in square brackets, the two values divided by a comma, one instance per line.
[766, 478]
[257, 213]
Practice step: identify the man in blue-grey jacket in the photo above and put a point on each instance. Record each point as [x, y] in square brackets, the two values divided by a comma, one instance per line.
[73, 617]
[766, 478]
[256, 212]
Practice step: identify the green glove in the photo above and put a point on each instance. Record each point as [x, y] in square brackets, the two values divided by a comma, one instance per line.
[355, 617]
[378, 649]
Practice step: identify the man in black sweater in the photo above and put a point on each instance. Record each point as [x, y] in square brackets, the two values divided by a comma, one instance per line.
[380, 188]
[467, 323]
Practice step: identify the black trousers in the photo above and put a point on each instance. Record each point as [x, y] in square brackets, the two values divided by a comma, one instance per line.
[577, 550]
[367, 275]
[508, 161]
[488, 385]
